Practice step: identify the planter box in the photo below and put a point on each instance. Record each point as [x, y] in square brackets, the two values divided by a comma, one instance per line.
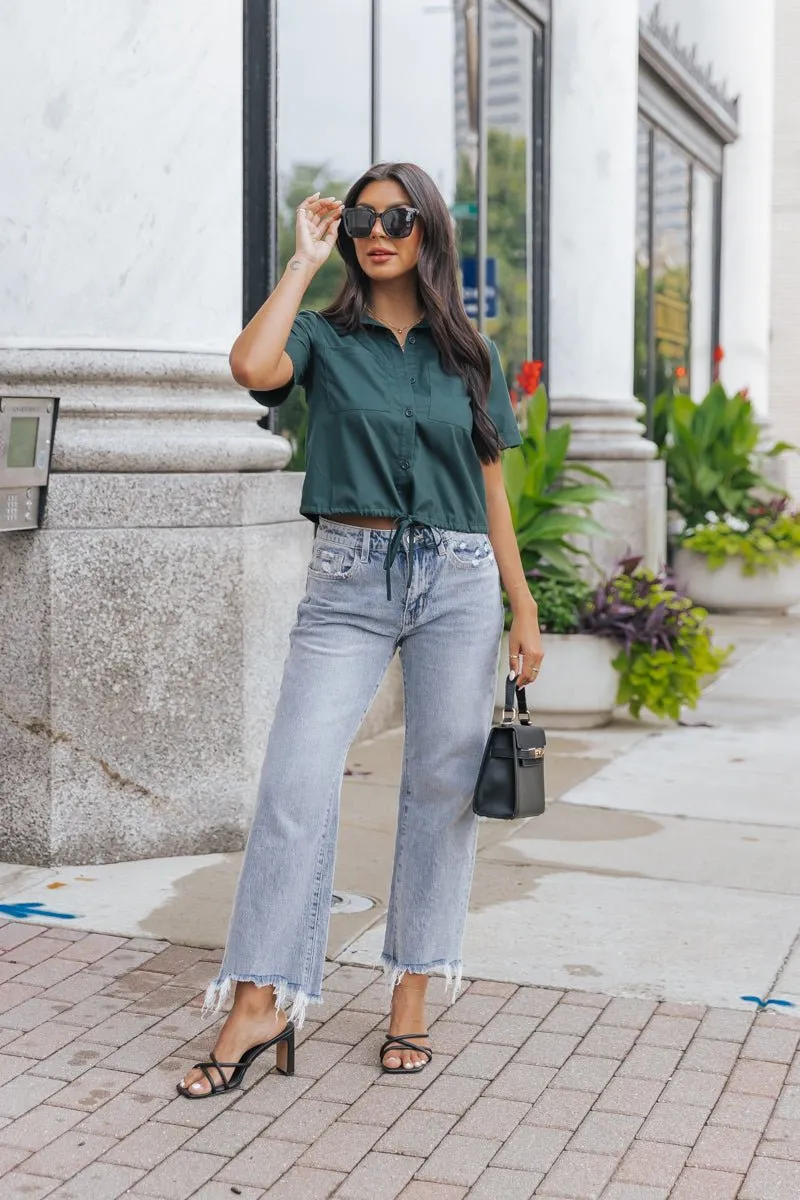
[577, 687]
[728, 590]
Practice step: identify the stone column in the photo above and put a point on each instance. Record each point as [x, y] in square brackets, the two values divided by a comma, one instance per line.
[592, 252]
[144, 627]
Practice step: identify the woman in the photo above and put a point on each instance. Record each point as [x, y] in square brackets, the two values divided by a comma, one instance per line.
[408, 413]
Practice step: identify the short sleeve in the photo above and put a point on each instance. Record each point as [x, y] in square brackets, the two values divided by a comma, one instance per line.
[300, 348]
[499, 405]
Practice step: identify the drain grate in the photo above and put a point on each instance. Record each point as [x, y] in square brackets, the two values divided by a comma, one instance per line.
[350, 902]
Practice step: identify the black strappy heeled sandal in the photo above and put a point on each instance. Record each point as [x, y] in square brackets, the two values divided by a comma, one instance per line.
[405, 1043]
[284, 1064]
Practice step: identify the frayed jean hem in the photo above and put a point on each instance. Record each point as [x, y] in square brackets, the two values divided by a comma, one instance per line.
[289, 997]
[451, 971]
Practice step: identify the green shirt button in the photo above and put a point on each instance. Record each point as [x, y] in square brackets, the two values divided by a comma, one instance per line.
[409, 412]
[412, 339]
[405, 464]
[413, 379]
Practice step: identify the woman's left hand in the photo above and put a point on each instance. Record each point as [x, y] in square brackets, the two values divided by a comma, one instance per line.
[525, 648]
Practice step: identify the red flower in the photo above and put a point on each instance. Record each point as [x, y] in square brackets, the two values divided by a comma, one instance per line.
[530, 376]
[680, 372]
[719, 354]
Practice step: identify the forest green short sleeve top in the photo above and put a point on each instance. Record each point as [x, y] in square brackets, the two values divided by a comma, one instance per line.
[389, 432]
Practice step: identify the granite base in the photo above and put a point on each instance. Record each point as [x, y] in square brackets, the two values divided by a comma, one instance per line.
[144, 632]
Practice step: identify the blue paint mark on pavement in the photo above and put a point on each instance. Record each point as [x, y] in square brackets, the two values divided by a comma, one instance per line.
[32, 908]
[767, 1003]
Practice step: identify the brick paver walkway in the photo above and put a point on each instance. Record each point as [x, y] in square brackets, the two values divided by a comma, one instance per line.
[532, 1092]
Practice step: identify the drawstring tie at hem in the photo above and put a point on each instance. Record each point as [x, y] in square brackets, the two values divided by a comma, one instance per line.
[428, 535]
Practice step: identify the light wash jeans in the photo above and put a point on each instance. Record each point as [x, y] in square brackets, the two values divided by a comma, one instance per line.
[445, 617]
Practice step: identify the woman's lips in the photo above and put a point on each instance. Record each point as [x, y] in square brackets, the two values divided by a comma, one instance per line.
[381, 255]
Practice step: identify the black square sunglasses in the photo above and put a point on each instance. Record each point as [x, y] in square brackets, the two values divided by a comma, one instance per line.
[397, 221]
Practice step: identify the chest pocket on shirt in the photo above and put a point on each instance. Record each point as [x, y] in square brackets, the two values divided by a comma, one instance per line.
[450, 401]
[356, 380]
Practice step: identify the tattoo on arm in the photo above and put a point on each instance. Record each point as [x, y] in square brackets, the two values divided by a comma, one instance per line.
[296, 265]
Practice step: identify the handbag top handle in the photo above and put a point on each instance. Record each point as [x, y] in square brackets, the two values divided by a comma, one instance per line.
[516, 702]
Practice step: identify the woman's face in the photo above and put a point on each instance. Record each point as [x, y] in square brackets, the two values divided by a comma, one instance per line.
[379, 256]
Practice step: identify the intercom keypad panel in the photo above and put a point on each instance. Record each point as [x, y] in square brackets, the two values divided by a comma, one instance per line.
[26, 442]
[18, 508]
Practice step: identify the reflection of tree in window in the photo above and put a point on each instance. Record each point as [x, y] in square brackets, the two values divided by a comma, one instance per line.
[510, 176]
[508, 241]
[509, 104]
[671, 260]
[676, 218]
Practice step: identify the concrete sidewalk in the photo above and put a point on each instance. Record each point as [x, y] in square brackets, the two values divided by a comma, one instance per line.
[532, 1092]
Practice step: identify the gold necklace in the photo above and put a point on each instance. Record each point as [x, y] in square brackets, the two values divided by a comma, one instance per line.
[398, 329]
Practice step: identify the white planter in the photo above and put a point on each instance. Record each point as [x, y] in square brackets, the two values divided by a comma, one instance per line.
[577, 687]
[728, 590]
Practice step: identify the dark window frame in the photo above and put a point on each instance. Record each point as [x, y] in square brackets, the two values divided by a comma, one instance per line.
[538, 9]
[259, 154]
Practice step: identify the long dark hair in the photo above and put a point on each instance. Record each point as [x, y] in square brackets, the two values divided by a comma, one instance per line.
[462, 351]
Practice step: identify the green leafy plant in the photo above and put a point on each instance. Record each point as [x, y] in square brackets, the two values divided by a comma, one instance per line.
[710, 452]
[664, 681]
[550, 502]
[560, 603]
[763, 541]
[666, 652]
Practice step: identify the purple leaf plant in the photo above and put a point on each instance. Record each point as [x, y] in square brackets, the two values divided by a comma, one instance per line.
[637, 607]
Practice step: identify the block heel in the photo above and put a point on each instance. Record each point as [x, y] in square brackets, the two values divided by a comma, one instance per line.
[284, 1054]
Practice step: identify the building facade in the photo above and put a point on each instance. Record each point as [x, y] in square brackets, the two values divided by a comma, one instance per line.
[625, 203]
[609, 171]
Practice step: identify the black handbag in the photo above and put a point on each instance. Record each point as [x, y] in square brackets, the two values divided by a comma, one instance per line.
[511, 777]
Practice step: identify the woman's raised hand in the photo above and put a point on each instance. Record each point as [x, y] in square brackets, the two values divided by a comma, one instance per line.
[317, 225]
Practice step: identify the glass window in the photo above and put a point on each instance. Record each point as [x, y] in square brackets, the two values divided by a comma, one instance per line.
[417, 77]
[510, 173]
[435, 121]
[676, 276]
[465, 208]
[671, 260]
[428, 101]
[324, 66]
[427, 110]
[324, 119]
